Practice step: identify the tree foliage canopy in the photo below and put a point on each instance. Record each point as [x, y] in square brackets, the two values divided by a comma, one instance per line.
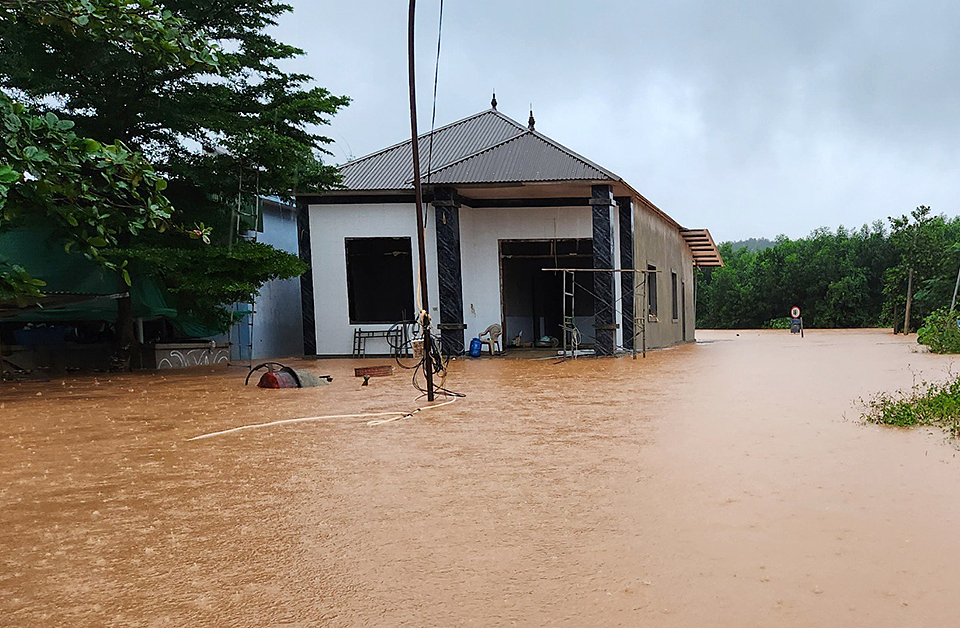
[138, 27]
[839, 278]
[194, 88]
[229, 275]
[197, 86]
[91, 193]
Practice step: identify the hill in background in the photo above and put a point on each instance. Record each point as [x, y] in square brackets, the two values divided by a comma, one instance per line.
[752, 244]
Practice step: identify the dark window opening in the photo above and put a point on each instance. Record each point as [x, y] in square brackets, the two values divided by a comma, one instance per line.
[379, 280]
[652, 291]
[676, 302]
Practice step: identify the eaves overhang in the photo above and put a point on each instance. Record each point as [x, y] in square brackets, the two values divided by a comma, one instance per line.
[703, 248]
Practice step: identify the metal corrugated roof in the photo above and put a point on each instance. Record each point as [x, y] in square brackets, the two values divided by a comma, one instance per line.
[527, 157]
[489, 147]
[391, 168]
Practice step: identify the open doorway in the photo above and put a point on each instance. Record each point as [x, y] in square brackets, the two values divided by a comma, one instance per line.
[532, 300]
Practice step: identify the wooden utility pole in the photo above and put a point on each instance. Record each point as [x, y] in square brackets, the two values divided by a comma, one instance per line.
[956, 287]
[418, 189]
[906, 313]
[913, 253]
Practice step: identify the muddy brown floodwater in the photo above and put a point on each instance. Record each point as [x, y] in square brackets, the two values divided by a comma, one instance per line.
[727, 483]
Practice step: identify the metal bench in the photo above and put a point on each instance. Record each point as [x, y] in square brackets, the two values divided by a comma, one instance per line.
[395, 336]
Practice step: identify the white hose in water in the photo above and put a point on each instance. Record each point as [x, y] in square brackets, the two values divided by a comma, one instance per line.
[410, 414]
[394, 416]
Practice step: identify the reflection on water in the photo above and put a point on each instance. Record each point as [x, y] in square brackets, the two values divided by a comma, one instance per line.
[723, 484]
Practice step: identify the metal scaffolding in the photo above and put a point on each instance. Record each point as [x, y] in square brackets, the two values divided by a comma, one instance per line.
[571, 334]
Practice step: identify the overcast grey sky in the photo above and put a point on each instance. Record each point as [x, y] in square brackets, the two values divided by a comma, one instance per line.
[747, 118]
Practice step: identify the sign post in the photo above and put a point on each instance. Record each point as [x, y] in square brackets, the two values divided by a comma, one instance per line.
[796, 321]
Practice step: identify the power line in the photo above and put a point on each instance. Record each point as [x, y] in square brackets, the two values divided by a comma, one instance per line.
[436, 75]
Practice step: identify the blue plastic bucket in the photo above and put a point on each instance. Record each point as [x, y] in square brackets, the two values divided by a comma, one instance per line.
[475, 348]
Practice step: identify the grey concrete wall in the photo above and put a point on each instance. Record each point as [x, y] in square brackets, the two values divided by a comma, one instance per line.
[658, 242]
[278, 322]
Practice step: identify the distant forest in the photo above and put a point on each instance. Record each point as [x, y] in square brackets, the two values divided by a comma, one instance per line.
[753, 244]
[842, 278]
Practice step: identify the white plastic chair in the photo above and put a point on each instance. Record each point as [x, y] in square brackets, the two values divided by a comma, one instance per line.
[493, 333]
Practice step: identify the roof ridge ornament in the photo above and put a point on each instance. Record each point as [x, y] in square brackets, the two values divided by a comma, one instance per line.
[531, 122]
[493, 101]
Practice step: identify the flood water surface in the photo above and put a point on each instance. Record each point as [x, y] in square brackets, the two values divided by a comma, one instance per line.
[727, 483]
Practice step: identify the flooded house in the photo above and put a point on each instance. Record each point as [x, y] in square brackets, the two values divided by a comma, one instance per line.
[521, 232]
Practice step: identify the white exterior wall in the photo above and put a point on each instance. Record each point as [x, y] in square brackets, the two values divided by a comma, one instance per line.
[480, 233]
[617, 288]
[330, 225]
[656, 242]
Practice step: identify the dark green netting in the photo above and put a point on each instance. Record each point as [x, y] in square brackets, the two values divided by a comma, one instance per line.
[95, 288]
[65, 273]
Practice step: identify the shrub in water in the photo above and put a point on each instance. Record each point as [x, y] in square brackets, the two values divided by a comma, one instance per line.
[777, 323]
[925, 404]
[940, 332]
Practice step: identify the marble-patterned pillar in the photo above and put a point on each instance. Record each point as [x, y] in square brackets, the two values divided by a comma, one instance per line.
[627, 280]
[306, 279]
[604, 312]
[449, 271]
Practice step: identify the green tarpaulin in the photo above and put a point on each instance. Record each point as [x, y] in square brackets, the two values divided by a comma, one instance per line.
[92, 290]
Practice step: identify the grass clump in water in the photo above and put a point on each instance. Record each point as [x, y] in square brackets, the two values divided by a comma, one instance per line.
[936, 404]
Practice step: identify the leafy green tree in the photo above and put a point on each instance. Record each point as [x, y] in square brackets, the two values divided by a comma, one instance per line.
[235, 122]
[226, 276]
[934, 287]
[96, 195]
[920, 241]
[940, 332]
[91, 194]
[138, 26]
[17, 286]
[198, 89]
